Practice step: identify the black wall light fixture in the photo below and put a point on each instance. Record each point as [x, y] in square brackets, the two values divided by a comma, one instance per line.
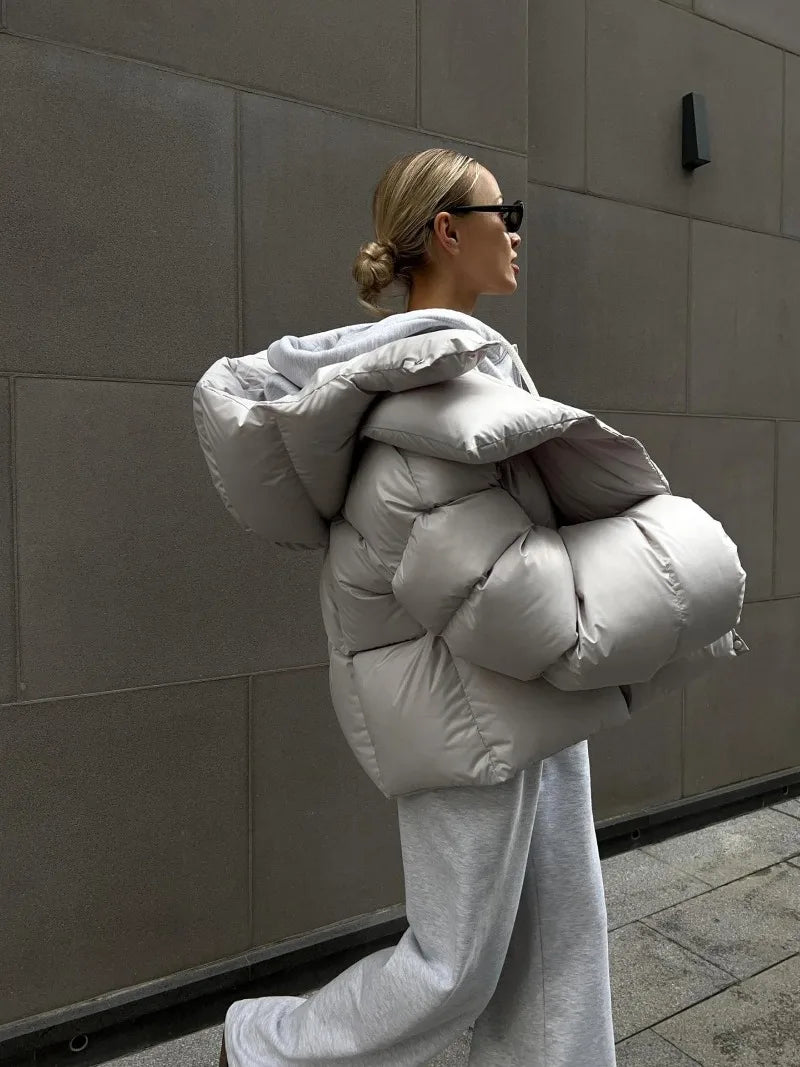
[696, 145]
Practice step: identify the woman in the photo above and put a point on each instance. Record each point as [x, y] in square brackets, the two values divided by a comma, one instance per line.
[504, 576]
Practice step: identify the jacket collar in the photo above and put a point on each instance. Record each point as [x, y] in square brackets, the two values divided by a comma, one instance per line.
[282, 465]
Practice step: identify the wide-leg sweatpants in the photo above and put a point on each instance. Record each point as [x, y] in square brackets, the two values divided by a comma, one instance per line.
[507, 930]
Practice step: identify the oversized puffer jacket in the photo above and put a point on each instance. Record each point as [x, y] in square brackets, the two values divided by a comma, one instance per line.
[504, 575]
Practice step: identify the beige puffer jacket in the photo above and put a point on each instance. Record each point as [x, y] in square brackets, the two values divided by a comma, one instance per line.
[504, 575]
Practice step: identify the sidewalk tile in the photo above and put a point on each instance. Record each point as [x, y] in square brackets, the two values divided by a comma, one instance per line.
[723, 851]
[790, 807]
[652, 978]
[455, 1055]
[637, 884]
[744, 926]
[647, 1049]
[754, 1024]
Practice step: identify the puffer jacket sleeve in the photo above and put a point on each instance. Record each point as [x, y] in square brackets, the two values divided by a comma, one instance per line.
[496, 588]
[605, 602]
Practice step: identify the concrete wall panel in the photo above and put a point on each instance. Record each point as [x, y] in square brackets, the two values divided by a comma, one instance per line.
[117, 213]
[607, 302]
[777, 21]
[355, 55]
[644, 55]
[745, 323]
[557, 91]
[639, 764]
[325, 841]
[473, 71]
[124, 832]
[787, 548]
[8, 605]
[741, 721]
[131, 570]
[791, 149]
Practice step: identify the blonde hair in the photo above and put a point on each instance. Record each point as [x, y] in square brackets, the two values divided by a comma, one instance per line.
[410, 193]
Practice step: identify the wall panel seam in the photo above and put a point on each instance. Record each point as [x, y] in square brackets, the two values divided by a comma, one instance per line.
[783, 142]
[250, 927]
[694, 415]
[771, 600]
[280, 97]
[51, 698]
[19, 680]
[244, 88]
[586, 96]
[238, 220]
[49, 376]
[663, 210]
[683, 741]
[418, 65]
[689, 285]
[727, 26]
[527, 96]
[776, 460]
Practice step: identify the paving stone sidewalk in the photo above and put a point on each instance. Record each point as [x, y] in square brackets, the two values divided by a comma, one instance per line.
[704, 936]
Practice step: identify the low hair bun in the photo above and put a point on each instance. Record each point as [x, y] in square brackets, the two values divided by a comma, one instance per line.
[374, 269]
[381, 250]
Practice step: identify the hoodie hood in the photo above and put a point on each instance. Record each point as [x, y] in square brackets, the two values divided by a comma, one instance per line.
[291, 362]
[279, 428]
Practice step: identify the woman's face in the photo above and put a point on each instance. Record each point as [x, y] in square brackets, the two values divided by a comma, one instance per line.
[474, 252]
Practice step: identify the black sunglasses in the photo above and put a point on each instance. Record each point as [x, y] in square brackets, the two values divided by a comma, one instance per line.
[511, 213]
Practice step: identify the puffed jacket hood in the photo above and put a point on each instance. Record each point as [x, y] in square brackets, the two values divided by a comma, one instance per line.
[504, 575]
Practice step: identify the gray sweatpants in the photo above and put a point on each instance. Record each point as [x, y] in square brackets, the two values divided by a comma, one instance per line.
[507, 930]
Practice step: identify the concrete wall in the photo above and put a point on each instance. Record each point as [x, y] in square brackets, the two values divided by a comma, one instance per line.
[182, 182]
[667, 302]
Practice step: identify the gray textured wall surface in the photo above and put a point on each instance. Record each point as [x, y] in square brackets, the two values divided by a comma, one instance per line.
[666, 302]
[181, 183]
